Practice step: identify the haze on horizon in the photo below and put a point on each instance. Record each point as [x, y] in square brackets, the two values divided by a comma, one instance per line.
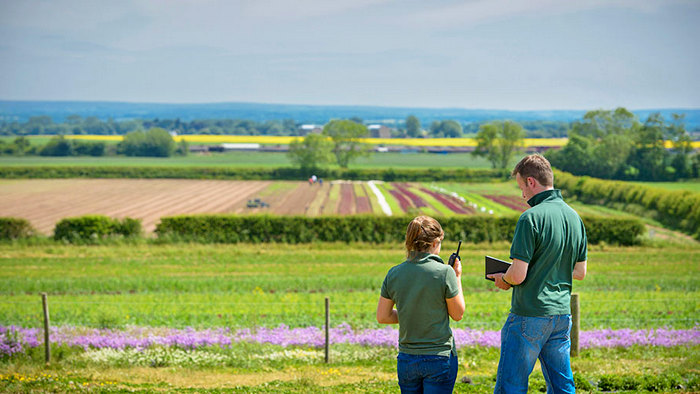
[497, 54]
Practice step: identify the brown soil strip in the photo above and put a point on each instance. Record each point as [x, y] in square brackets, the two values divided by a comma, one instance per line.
[347, 199]
[362, 203]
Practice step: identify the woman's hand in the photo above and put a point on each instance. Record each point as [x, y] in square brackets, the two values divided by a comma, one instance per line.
[458, 267]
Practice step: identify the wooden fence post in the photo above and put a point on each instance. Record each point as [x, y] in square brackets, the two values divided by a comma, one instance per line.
[47, 342]
[328, 321]
[575, 324]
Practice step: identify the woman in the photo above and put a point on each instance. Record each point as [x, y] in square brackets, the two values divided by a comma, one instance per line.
[425, 291]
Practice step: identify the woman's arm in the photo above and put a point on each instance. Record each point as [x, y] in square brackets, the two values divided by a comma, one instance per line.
[386, 314]
[456, 305]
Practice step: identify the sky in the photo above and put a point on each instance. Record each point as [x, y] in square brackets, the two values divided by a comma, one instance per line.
[474, 54]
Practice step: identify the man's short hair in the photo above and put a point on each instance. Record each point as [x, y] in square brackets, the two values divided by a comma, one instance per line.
[535, 166]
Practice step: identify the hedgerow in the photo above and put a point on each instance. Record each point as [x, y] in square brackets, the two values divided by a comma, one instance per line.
[674, 208]
[92, 228]
[15, 228]
[281, 173]
[363, 228]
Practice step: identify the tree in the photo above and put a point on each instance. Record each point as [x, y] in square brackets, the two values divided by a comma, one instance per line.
[346, 136]
[412, 126]
[57, 146]
[311, 153]
[446, 129]
[155, 142]
[499, 141]
[599, 145]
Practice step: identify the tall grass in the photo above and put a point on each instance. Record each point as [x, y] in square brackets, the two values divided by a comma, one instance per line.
[247, 285]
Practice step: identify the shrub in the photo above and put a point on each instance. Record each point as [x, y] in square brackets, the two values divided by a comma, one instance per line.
[15, 228]
[675, 208]
[362, 228]
[91, 228]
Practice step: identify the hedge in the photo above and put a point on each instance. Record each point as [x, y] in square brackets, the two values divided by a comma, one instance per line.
[678, 209]
[15, 228]
[281, 173]
[92, 228]
[363, 228]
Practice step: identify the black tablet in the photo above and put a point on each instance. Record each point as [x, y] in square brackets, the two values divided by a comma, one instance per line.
[494, 266]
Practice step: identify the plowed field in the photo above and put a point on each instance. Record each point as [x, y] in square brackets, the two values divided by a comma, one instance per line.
[45, 202]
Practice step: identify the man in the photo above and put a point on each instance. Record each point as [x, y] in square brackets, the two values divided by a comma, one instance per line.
[549, 249]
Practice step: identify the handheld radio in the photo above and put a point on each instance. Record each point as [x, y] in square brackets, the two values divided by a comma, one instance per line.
[454, 256]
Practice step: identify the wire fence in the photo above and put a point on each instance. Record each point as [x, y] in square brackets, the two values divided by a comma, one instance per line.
[644, 312]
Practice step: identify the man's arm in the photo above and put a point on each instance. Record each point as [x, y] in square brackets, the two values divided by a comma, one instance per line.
[580, 270]
[515, 275]
[386, 314]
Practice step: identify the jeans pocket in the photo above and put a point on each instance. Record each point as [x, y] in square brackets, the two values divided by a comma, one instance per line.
[534, 328]
[437, 368]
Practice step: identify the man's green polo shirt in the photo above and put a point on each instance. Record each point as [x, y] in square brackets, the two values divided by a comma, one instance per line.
[551, 238]
[419, 288]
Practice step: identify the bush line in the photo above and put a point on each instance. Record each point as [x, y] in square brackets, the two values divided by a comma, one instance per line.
[280, 173]
[302, 229]
[363, 228]
[678, 209]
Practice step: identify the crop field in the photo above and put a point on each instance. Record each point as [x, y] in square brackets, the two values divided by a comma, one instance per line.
[249, 317]
[45, 202]
[256, 159]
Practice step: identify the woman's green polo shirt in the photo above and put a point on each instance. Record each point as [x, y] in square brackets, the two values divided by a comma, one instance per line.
[419, 288]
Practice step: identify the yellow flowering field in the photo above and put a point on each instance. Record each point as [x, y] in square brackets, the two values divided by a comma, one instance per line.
[285, 140]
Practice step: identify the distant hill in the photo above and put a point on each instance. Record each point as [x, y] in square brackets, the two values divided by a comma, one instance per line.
[58, 110]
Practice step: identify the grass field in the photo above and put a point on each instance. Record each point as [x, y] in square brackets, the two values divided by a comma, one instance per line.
[205, 286]
[256, 159]
[244, 285]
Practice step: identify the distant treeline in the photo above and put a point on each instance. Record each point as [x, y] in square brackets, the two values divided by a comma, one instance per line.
[155, 142]
[77, 125]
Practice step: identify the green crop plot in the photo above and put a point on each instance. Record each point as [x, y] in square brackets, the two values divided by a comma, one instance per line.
[254, 159]
[247, 285]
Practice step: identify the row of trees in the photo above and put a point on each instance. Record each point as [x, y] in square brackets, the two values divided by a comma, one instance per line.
[616, 145]
[155, 142]
[77, 125]
[339, 143]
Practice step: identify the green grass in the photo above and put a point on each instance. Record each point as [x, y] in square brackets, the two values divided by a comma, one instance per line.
[259, 369]
[244, 285]
[255, 159]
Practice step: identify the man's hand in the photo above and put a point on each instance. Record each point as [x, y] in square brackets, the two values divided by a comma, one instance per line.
[498, 281]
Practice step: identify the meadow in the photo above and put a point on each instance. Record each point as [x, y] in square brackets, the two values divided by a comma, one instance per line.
[276, 289]
[255, 159]
[249, 317]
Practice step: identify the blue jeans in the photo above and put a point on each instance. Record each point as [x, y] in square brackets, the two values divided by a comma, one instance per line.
[524, 340]
[426, 374]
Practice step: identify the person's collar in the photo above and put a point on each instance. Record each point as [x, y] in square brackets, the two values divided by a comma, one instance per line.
[544, 195]
[424, 257]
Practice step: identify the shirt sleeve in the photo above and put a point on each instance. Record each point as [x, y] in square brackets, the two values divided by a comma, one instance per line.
[523, 245]
[385, 290]
[451, 283]
[583, 249]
